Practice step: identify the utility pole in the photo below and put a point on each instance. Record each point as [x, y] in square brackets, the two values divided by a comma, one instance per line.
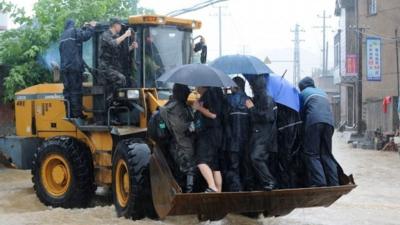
[360, 80]
[296, 56]
[220, 14]
[324, 55]
[396, 32]
[220, 30]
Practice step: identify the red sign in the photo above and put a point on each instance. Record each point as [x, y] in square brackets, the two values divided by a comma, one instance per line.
[351, 65]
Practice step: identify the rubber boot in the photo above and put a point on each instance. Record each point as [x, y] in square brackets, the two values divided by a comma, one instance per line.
[189, 183]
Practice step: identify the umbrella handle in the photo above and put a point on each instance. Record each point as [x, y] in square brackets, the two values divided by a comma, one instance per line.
[284, 73]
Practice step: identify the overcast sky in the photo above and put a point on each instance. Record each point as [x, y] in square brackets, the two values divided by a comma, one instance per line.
[258, 27]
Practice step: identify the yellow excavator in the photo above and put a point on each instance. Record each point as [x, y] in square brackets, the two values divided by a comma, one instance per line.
[68, 160]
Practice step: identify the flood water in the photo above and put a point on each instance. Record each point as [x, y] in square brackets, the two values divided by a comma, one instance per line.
[375, 201]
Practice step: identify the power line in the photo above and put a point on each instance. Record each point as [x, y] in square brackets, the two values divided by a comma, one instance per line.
[194, 8]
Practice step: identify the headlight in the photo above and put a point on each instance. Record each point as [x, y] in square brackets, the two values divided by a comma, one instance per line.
[132, 94]
[121, 94]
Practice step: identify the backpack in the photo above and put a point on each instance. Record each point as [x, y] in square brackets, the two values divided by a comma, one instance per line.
[157, 128]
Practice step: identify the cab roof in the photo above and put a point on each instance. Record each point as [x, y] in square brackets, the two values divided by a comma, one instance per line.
[164, 20]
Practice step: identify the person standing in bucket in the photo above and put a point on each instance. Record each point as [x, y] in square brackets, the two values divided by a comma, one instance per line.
[72, 64]
[237, 132]
[209, 131]
[318, 123]
[178, 116]
[263, 140]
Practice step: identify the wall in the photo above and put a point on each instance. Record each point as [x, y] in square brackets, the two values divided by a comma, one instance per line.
[6, 119]
[376, 118]
[382, 24]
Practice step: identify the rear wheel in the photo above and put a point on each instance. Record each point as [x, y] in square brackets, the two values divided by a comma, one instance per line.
[131, 187]
[62, 173]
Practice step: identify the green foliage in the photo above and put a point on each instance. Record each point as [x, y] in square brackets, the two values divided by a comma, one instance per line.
[20, 48]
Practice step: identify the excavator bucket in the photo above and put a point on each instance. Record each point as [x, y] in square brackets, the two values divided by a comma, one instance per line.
[169, 200]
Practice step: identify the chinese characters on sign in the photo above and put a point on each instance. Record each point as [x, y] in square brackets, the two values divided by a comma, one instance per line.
[373, 59]
[351, 65]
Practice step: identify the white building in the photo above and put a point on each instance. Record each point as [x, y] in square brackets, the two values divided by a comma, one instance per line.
[3, 22]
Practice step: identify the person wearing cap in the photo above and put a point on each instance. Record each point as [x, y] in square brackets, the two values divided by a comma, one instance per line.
[317, 119]
[109, 61]
[72, 64]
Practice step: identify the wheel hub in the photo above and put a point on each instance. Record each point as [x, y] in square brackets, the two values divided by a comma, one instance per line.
[55, 175]
[122, 183]
[59, 174]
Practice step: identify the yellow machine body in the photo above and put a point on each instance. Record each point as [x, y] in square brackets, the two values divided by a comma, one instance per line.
[41, 112]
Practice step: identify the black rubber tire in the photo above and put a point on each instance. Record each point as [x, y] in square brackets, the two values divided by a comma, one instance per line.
[79, 158]
[136, 155]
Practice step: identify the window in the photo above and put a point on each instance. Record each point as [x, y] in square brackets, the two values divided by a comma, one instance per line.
[372, 7]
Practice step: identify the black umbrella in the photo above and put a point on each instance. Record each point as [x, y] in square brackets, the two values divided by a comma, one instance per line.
[197, 75]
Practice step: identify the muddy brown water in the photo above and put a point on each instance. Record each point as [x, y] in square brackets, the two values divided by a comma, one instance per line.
[375, 201]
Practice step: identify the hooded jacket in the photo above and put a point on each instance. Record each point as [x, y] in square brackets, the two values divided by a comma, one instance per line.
[314, 104]
[71, 46]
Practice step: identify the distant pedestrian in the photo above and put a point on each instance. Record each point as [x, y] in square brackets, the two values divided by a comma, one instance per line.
[318, 131]
[72, 64]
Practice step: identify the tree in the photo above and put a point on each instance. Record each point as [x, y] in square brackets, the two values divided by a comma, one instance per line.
[20, 48]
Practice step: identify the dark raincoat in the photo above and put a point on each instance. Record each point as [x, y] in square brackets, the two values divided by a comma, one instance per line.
[263, 140]
[237, 132]
[72, 65]
[71, 46]
[178, 118]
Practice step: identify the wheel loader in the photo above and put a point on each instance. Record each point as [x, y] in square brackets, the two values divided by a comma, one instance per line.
[68, 160]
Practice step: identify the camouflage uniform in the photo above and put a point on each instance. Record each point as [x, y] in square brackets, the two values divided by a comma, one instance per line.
[109, 62]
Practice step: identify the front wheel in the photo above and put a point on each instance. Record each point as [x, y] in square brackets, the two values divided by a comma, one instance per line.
[130, 178]
[62, 173]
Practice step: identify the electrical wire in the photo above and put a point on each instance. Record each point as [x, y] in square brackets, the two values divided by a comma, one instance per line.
[194, 8]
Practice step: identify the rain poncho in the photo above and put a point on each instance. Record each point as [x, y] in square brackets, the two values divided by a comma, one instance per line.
[71, 46]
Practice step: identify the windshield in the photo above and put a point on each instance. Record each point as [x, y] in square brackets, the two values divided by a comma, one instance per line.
[165, 48]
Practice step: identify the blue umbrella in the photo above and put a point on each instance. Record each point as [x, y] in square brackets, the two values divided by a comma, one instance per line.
[283, 92]
[280, 90]
[244, 64]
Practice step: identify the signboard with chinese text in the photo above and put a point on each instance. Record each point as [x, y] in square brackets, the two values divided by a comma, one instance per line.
[351, 65]
[373, 61]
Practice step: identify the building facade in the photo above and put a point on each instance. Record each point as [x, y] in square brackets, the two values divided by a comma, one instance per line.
[345, 58]
[374, 22]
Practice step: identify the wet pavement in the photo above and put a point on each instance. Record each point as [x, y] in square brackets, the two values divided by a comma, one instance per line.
[375, 201]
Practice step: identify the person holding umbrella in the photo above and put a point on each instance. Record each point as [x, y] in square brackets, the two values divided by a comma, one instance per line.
[263, 140]
[209, 135]
[209, 115]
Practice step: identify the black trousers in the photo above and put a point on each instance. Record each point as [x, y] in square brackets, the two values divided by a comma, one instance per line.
[317, 154]
[234, 170]
[263, 156]
[73, 92]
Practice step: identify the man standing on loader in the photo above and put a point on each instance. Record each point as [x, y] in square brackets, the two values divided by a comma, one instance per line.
[318, 130]
[109, 63]
[72, 64]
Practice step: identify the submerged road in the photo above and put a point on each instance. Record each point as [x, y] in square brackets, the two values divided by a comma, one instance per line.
[376, 200]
